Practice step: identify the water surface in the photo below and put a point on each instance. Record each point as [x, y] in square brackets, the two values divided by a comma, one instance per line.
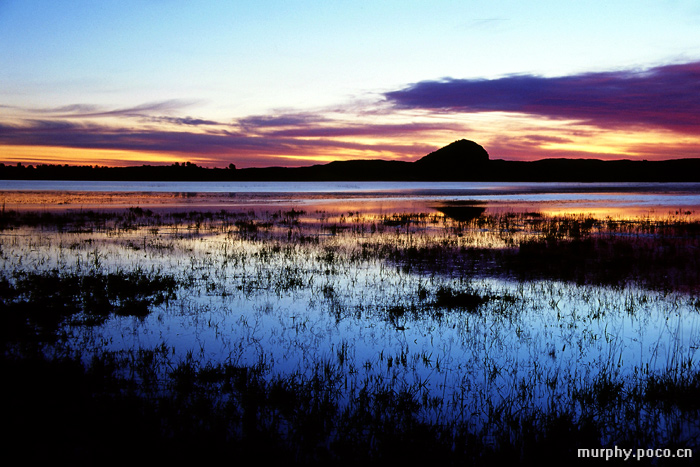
[600, 199]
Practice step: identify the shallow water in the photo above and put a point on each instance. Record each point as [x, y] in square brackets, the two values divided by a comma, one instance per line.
[265, 295]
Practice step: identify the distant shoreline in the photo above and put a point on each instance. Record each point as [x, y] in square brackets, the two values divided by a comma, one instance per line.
[545, 170]
[461, 160]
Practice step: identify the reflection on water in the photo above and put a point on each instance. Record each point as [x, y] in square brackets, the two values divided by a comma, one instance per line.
[599, 199]
[385, 188]
[434, 298]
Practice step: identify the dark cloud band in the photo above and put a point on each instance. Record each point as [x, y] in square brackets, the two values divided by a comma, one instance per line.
[666, 96]
[215, 145]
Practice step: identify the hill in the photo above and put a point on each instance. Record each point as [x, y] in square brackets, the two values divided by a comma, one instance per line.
[461, 160]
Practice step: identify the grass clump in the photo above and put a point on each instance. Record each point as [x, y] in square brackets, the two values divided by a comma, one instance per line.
[447, 297]
[36, 303]
[674, 390]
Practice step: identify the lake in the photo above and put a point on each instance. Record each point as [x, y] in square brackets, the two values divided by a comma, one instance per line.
[616, 199]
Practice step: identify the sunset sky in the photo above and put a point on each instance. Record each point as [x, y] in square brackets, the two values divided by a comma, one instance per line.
[291, 83]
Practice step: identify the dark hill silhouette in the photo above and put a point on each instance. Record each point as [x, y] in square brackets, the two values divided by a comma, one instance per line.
[461, 160]
[460, 153]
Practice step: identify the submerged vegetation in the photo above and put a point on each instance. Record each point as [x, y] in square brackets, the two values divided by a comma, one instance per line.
[316, 337]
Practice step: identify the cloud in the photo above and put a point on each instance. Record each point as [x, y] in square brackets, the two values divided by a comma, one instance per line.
[664, 97]
[539, 139]
[77, 135]
[216, 146]
[377, 130]
[407, 124]
[320, 125]
[184, 121]
[172, 105]
[291, 119]
[68, 109]
[92, 111]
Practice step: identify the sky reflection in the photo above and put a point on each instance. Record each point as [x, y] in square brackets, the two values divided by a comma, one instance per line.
[297, 305]
[599, 199]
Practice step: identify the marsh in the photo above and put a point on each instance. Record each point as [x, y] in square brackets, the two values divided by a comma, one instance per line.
[358, 322]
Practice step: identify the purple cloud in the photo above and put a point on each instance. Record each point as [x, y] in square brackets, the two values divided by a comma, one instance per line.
[364, 130]
[218, 147]
[314, 125]
[277, 121]
[68, 134]
[666, 96]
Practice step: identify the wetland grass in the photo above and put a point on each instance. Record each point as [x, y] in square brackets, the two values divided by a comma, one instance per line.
[312, 339]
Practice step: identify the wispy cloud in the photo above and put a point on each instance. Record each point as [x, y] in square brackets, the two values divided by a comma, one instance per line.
[665, 97]
[189, 121]
[339, 123]
[281, 120]
[342, 129]
[95, 111]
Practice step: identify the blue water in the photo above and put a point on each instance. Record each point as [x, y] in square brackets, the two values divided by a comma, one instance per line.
[417, 188]
[674, 196]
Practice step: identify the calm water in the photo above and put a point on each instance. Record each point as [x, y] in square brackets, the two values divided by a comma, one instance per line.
[614, 199]
[407, 188]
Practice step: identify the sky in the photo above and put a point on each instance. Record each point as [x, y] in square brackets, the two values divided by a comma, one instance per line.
[295, 83]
